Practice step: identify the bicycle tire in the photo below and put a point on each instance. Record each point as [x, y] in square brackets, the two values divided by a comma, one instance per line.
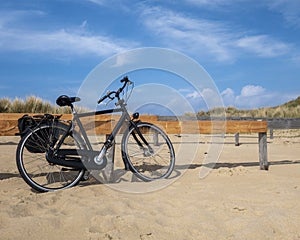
[146, 163]
[34, 167]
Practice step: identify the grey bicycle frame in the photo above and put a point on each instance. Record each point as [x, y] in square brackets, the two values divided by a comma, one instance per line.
[76, 118]
[109, 141]
[96, 159]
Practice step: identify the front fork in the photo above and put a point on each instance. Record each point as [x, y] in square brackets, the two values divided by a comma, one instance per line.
[140, 139]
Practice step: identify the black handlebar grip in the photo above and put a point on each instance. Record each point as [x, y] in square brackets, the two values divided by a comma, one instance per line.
[102, 99]
[125, 79]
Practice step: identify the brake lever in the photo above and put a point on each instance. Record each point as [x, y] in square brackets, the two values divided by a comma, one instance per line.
[110, 97]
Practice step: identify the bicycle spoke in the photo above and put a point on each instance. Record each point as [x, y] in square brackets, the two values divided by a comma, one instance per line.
[33, 165]
[155, 159]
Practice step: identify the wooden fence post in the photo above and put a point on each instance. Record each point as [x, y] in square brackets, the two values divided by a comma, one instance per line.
[271, 133]
[237, 139]
[263, 153]
[155, 139]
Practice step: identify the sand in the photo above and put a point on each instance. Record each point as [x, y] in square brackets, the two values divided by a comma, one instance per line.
[235, 200]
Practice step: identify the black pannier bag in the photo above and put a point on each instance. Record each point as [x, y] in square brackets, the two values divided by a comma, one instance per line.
[36, 143]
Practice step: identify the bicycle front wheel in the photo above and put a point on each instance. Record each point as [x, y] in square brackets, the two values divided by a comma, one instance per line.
[148, 152]
[33, 166]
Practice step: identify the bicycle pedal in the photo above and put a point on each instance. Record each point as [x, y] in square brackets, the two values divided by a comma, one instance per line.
[85, 177]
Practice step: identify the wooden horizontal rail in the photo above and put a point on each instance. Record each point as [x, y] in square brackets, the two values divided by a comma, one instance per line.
[212, 127]
[284, 124]
[103, 124]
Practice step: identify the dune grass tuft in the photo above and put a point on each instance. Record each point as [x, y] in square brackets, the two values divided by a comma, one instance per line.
[290, 109]
[31, 104]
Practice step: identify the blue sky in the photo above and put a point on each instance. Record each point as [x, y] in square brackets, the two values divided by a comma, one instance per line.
[250, 48]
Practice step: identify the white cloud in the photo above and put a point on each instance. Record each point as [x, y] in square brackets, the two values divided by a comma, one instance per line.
[206, 99]
[84, 24]
[75, 41]
[99, 2]
[263, 46]
[290, 10]
[251, 90]
[61, 42]
[228, 97]
[212, 3]
[15, 17]
[194, 95]
[254, 96]
[205, 38]
[227, 92]
[250, 97]
[200, 36]
[206, 93]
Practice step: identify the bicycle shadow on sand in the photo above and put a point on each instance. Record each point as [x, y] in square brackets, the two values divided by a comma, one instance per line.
[118, 176]
[4, 176]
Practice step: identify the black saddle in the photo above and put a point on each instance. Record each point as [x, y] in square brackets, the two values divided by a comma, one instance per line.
[65, 100]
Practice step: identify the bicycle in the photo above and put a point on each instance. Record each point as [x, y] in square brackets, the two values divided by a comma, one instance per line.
[53, 155]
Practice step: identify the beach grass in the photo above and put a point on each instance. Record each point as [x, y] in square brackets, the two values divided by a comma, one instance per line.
[31, 104]
[290, 109]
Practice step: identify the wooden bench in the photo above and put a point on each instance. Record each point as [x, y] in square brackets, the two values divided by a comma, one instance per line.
[102, 124]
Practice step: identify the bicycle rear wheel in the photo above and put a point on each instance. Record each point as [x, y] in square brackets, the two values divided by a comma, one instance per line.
[151, 156]
[33, 166]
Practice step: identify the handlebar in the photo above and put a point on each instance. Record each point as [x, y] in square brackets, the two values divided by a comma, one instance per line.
[124, 80]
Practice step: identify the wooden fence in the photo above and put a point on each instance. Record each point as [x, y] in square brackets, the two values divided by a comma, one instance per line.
[283, 124]
[103, 124]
